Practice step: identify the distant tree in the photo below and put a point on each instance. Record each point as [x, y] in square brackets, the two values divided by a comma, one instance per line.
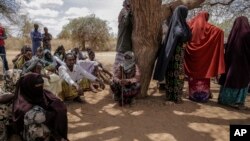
[87, 30]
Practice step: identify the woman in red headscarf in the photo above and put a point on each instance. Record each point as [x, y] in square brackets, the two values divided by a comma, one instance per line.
[237, 57]
[204, 56]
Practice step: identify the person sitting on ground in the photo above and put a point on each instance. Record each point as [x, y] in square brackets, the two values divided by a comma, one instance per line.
[79, 55]
[75, 79]
[126, 81]
[23, 58]
[37, 113]
[49, 59]
[39, 53]
[102, 72]
[19, 54]
[60, 52]
[52, 82]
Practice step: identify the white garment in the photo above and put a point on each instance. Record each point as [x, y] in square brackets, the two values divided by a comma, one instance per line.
[88, 65]
[76, 75]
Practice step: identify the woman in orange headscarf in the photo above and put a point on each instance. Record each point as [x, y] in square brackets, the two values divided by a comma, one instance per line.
[204, 56]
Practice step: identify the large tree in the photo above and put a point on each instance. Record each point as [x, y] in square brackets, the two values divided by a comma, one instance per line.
[87, 30]
[148, 17]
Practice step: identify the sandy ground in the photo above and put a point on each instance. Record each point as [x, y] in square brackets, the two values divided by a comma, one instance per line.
[149, 119]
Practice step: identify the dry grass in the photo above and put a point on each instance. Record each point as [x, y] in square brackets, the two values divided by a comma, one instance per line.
[13, 43]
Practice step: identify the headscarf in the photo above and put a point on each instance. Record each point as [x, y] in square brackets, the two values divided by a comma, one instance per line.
[237, 54]
[47, 52]
[31, 88]
[204, 56]
[59, 54]
[126, 3]
[31, 65]
[178, 32]
[129, 64]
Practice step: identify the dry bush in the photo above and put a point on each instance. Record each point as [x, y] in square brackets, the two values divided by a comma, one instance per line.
[13, 43]
[68, 44]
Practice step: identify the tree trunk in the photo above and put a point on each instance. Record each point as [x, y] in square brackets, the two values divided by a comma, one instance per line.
[148, 16]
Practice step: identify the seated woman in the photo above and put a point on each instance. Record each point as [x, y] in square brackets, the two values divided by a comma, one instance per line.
[19, 54]
[23, 58]
[38, 109]
[52, 81]
[126, 81]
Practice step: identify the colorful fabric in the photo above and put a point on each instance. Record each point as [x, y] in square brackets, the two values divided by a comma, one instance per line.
[206, 45]
[129, 61]
[199, 89]
[34, 125]
[2, 36]
[5, 117]
[237, 55]
[30, 93]
[231, 97]
[175, 75]
[10, 79]
[178, 33]
[69, 92]
[126, 93]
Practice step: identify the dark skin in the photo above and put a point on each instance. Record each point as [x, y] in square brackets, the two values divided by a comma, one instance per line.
[28, 55]
[36, 27]
[70, 61]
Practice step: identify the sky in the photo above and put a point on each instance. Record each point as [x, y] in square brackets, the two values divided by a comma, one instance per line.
[54, 14]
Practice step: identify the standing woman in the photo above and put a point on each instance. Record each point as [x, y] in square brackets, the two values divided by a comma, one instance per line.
[171, 55]
[233, 91]
[204, 57]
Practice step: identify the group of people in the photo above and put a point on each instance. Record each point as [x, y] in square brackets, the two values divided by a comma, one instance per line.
[195, 50]
[44, 82]
[192, 50]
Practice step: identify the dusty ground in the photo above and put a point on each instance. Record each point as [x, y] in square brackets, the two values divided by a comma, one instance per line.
[101, 119]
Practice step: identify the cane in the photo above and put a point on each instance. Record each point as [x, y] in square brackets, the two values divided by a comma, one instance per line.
[121, 67]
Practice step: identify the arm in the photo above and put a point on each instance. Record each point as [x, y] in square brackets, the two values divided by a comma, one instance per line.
[117, 74]
[4, 36]
[65, 76]
[86, 74]
[137, 76]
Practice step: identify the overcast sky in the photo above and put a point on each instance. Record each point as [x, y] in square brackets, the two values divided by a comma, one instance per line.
[56, 13]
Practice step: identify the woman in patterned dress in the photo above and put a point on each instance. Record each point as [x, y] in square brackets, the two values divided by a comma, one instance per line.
[171, 55]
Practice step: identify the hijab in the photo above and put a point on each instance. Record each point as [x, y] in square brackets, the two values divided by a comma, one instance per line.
[129, 61]
[178, 32]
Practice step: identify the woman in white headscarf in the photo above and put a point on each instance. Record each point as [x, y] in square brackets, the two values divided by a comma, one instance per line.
[126, 81]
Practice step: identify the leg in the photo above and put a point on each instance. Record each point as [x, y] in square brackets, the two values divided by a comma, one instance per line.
[3, 56]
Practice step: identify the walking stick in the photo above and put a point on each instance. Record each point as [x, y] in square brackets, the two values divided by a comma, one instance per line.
[121, 67]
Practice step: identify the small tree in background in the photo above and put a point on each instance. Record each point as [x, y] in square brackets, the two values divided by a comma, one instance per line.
[87, 30]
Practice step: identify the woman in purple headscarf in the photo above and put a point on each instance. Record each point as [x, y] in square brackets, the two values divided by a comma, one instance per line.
[237, 58]
[33, 105]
